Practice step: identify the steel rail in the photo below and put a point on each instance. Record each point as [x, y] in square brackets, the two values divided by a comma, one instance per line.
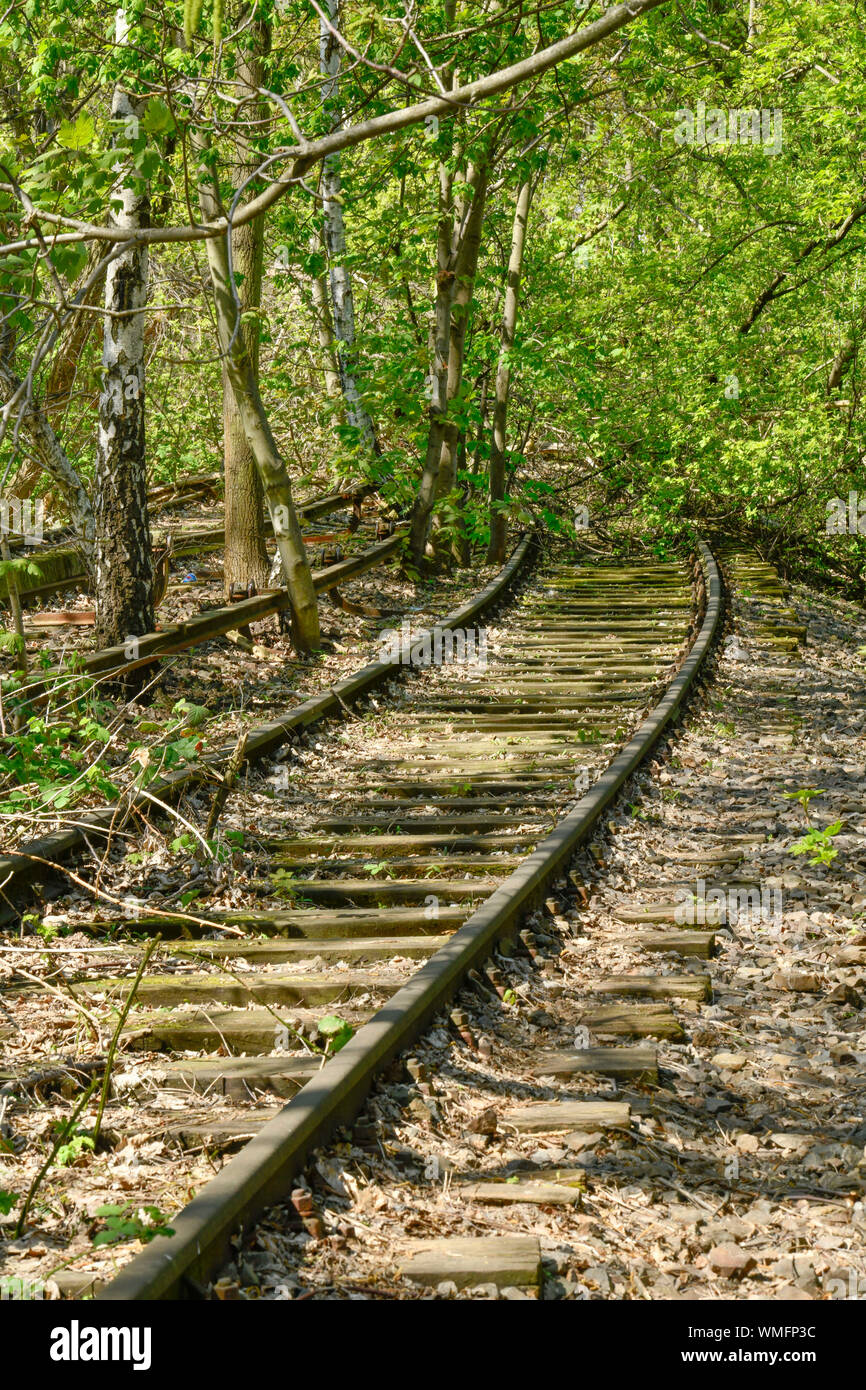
[180, 1266]
[215, 622]
[28, 866]
[189, 543]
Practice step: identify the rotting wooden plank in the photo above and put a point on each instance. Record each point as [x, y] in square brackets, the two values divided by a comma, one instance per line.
[389, 890]
[388, 845]
[625, 1063]
[311, 922]
[502, 1260]
[477, 865]
[238, 1078]
[635, 1020]
[681, 913]
[253, 1031]
[684, 943]
[276, 952]
[531, 1190]
[526, 797]
[541, 1117]
[218, 1130]
[402, 819]
[657, 986]
[267, 987]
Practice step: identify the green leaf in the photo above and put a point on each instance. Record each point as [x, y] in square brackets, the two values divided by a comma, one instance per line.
[192, 715]
[157, 118]
[76, 135]
[336, 1031]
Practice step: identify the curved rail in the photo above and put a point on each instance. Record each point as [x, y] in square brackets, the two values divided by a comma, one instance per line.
[262, 1171]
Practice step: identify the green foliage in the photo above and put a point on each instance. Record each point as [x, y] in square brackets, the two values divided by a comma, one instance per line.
[7, 1201]
[336, 1032]
[680, 303]
[49, 763]
[378, 868]
[128, 1222]
[70, 1152]
[191, 715]
[46, 930]
[283, 884]
[20, 567]
[818, 844]
[804, 795]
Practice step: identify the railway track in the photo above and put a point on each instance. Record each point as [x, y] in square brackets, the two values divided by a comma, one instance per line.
[17, 869]
[659, 1094]
[61, 565]
[396, 853]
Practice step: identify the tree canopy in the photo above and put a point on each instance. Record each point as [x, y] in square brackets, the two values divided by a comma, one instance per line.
[684, 343]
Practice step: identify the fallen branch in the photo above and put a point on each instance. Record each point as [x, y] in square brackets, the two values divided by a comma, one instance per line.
[106, 1080]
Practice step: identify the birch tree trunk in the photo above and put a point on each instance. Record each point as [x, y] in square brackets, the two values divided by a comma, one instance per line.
[276, 483]
[246, 556]
[123, 550]
[325, 327]
[342, 299]
[498, 522]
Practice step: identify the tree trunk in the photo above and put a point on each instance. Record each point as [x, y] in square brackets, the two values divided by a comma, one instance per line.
[466, 265]
[426, 495]
[325, 327]
[498, 522]
[246, 555]
[458, 243]
[342, 299]
[123, 552]
[275, 480]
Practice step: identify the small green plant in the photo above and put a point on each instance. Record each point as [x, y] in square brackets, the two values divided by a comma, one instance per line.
[336, 1032]
[819, 844]
[20, 568]
[77, 1144]
[804, 795]
[185, 843]
[379, 867]
[283, 884]
[190, 715]
[48, 763]
[7, 1201]
[128, 1223]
